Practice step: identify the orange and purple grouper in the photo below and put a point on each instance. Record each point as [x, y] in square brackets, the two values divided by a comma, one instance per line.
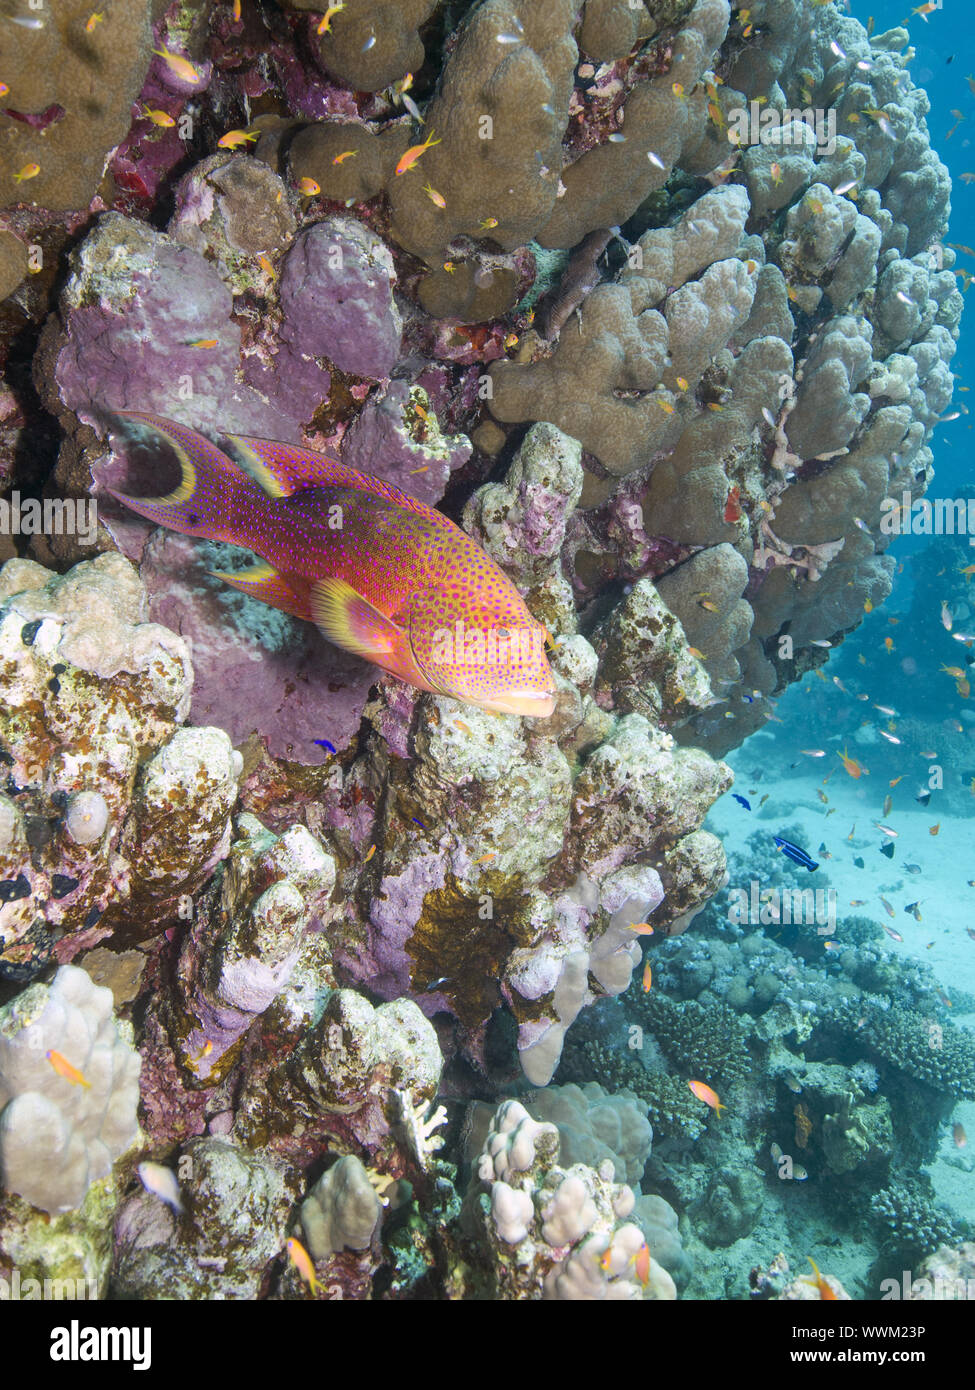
[383, 575]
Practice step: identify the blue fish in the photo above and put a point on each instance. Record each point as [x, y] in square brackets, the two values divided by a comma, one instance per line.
[418, 822]
[793, 852]
[741, 800]
[324, 743]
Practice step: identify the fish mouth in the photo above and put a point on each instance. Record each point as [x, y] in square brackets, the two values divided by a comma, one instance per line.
[534, 704]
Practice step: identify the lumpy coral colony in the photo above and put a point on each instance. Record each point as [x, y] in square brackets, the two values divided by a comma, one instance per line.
[318, 942]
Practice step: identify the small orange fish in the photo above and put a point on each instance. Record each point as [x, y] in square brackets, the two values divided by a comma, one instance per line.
[896, 780]
[464, 728]
[93, 21]
[851, 764]
[408, 159]
[647, 978]
[235, 12]
[641, 928]
[235, 138]
[955, 672]
[203, 343]
[301, 1260]
[683, 383]
[825, 1291]
[346, 154]
[181, 66]
[710, 1097]
[309, 188]
[204, 1051]
[959, 1135]
[325, 23]
[486, 858]
[888, 909]
[678, 90]
[666, 406]
[264, 262]
[641, 1264]
[964, 688]
[487, 223]
[4, 89]
[933, 829]
[708, 604]
[29, 171]
[606, 1259]
[868, 605]
[776, 173]
[159, 118]
[436, 198]
[64, 1068]
[371, 851]
[889, 643]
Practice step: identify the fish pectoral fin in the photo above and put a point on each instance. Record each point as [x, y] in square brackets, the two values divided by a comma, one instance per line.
[262, 582]
[353, 623]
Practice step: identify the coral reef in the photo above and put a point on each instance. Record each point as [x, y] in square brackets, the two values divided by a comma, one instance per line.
[113, 813]
[551, 1232]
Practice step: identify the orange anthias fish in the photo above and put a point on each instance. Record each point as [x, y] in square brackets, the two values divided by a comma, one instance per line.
[705, 1093]
[302, 1262]
[825, 1291]
[64, 1068]
[408, 159]
[383, 575]
[851, 764]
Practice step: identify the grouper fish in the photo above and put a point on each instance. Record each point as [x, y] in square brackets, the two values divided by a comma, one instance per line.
[381, 574]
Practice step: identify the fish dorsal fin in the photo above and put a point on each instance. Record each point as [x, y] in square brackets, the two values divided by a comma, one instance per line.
[284, 469]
